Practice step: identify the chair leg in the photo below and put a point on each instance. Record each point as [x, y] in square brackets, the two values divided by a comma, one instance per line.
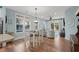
[27, 42]
[33, 40]
[39, 40]
[36, 40]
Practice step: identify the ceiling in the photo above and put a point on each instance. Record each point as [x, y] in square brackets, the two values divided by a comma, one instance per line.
[42, 11]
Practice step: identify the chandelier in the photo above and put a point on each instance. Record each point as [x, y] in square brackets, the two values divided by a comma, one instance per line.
[36, 18]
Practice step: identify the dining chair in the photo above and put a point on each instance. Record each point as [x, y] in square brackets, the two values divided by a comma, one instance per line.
[36, 37]
[40, 37]
[73, 42]
[27, 40]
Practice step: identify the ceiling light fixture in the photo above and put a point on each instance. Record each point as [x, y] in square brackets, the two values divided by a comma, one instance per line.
[36, 18]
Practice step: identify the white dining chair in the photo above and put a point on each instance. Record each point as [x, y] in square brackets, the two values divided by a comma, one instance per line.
[39, 38]
[27, 40]
[36, 38]
[32, 39]
[41, 35]
[73, 40]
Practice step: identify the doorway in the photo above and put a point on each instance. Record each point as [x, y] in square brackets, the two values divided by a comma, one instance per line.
[58, 25]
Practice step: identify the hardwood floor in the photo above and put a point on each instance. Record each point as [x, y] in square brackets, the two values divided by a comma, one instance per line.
[49, 45]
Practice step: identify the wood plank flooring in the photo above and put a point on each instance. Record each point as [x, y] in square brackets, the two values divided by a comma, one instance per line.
[49, 45]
